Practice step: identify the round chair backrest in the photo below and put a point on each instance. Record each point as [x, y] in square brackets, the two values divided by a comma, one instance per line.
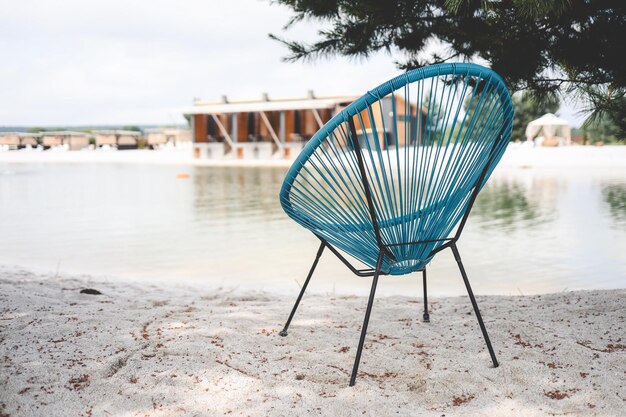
[397, 168]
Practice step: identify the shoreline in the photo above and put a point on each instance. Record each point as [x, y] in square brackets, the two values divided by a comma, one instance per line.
[172, 349]
[516, 156]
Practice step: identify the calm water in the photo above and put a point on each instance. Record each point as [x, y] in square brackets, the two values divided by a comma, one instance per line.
[530, 232]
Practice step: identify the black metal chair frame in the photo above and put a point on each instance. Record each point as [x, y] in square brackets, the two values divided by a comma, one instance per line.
[384, 251]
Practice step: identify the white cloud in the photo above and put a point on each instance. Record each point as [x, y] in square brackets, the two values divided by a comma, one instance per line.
[70, 62]
[77, 62]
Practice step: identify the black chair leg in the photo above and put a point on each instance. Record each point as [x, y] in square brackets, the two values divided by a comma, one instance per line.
[457, 256]
[368, 311]
[306, 283]
[426, 316]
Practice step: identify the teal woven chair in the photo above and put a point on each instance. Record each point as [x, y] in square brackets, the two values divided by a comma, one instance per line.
[391, 179]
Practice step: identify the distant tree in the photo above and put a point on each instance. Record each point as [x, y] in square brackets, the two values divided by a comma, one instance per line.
[132, 128]
[544, 46]
[609, 117]
[615, 196]
[601, 129]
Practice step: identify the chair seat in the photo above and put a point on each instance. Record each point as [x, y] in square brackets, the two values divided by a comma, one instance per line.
[368, 226]
[410, 256]
[411, 250]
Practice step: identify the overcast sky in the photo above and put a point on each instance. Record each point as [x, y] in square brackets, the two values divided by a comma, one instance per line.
[78, 62]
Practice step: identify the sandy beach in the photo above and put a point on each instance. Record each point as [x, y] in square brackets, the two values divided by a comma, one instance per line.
[516, 156]
[186, 350]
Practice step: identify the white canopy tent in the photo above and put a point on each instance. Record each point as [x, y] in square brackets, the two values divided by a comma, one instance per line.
[549, 130]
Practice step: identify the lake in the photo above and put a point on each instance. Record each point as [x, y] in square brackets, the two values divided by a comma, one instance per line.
[531, 230]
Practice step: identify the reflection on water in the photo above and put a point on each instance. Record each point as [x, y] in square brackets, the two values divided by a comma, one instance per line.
[237, 193]
[615, 197]
[505, 204]
[530, 231]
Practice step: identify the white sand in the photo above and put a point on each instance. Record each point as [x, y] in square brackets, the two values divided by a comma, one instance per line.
[516, 156]
[168, 350]
[133, 156]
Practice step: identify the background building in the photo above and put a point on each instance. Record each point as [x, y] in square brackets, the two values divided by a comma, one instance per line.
[279, 128]
[66, 139]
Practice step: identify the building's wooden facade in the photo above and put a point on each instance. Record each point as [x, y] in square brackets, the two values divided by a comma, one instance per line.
[72, 140]
[408, 126]
[17, 140]
[260, 128]
[286, 124]
[121, 139]
[164, 136]
[250, 126]
[10, 139]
